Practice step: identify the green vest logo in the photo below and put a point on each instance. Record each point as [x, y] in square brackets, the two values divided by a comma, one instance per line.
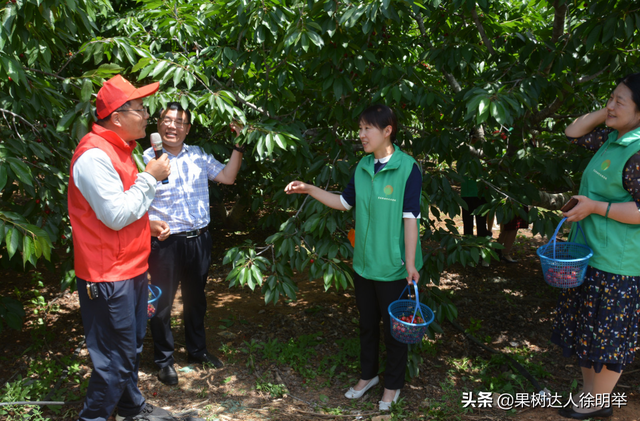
[388, 190]
[606, 164]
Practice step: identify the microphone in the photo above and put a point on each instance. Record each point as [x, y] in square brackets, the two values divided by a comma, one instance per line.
[156, 143]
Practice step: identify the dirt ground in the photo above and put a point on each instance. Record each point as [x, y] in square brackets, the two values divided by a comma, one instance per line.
[508, 305]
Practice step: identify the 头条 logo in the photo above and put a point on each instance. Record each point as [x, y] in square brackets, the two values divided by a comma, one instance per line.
[605, 164]
[388, 190]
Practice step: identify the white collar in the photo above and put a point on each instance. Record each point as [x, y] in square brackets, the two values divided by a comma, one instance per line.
[382, 160]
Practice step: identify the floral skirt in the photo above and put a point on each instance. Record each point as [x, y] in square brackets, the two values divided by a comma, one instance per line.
[598, 321]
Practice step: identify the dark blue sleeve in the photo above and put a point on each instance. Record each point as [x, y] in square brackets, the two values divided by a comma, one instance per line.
[413, 192]
[349, 193]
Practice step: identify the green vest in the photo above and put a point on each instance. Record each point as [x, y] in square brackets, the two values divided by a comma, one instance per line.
[379, 247]
[616, 246]
[469, 187]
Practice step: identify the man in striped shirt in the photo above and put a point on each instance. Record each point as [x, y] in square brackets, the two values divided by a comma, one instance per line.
[181, 252]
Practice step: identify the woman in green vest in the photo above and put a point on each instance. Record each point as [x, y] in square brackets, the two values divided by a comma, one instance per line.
[598, 321]
[385, 190]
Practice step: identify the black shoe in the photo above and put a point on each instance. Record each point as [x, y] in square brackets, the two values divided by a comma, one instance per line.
[168, 375]
[149, 412]
[600, 413]
[205, 358]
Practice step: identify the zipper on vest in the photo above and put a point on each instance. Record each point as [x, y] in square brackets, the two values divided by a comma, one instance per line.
[366, 235]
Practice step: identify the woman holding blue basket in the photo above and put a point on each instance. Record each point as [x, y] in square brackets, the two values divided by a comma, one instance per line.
[385, 190]
[598, 320]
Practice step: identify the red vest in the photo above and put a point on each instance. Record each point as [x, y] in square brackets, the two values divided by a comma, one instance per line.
[102, 254]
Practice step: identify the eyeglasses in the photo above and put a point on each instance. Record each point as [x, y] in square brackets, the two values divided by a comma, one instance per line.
[168, 122]
[144, 109]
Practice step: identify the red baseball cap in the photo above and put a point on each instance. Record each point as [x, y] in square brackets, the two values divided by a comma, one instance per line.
[116, 91]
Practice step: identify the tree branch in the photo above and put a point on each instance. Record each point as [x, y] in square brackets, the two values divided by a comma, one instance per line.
[558, 21]
[550, 110]
[593, 76]
[3, 111]
[477, 131]
[483, 35]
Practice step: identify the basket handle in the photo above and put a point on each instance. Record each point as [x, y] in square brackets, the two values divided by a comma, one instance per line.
[418, 307]
[555, 234]
[584, 237]
[153, 293]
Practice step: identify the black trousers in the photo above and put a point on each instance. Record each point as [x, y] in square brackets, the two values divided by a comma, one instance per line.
[467, 218]
[373, 299]
[185, 262]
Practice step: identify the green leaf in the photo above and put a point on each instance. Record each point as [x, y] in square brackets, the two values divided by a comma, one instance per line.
[21, 170]
[257, 275]
[594, 35]
[337, 88]
[27, 249]
[3, 176]
[315, 38]
[66, 121]
[177, 76]
[13, 239]
[304, 41]
[87, 90]
[483, 110]
[13, 321]
[269, 143]
[159, 68]
[499, 112]
[280, 141]
[260, 34]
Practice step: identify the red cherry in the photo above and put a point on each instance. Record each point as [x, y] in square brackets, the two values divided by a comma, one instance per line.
[37, 201]
[10, 79]
[44, 125]
[155, 393]
[311, 261]
[39, 140]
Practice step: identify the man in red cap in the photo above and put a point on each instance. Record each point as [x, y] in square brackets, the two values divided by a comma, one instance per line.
[108, 203]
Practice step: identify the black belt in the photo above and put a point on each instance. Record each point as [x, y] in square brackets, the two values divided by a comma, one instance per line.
[191, 234]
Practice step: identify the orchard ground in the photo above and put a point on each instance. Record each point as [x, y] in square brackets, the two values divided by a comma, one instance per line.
[295, 360]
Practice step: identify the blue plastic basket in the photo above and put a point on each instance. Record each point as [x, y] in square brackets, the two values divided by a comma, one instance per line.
[154, 293]
[409, 333]
[564, 264]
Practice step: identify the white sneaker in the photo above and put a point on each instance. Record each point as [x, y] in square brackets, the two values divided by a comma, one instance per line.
[386, 406]
[357, 394]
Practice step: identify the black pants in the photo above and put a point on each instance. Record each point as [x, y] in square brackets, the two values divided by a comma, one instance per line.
[467, 218]
[184, 261]
[373, 299]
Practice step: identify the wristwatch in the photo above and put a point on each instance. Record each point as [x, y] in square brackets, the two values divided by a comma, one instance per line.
[239, 148]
